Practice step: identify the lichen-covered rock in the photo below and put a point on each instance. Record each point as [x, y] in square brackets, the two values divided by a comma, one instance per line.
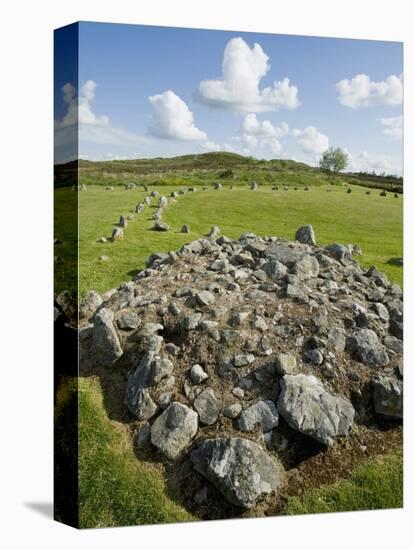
[239, 468]
[174, 429]
[308, 408]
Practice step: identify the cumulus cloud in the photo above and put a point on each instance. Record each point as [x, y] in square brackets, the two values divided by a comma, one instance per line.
[392, 127]
[262, 136]
[172, 118]
[238, 87]
[311, 140]
[369, 162]
[79, 108]
[361, 91]
[81, 124]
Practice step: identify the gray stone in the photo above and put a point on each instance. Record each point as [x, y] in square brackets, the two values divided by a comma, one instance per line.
[232, 411]
[275, 270]
[198, 374]
[123, 222]
[366, 347]
[306, 267]
[243, 359]
[105, 338]
[308, 408]
[90, 304]
[128, 320]
[205, 298]
[388, 396]
[117, 234]
[144, 436]
[238, 392]
[262, 413]
[305, 234]
[313, 356]
[337, 339]
[148, 329]
[239, 317]
[214, 232]
[339, 252]
[208, 406]
[174, 429]
[239, 468]
[185, 228]
[141, 403]
[381, 311]
[219, 265]
[192, 321]
[285, 364]
[394, 344]
[161, 226]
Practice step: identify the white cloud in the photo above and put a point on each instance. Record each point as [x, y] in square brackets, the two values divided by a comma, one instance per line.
[393, 127]
[238, 88]
[311, 140]
[172, 119]
[265, 129]
[81, 123]
[79, 109]
[369, 162]
[262, 136]
[360, 91]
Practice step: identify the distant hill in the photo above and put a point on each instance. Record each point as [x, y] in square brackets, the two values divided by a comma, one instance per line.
[205, 168]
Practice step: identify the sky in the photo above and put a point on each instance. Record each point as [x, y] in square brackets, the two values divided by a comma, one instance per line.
[144, 91]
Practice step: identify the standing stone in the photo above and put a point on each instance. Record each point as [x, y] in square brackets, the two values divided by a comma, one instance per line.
[185, 228]
[117, 234]
[217, 186]
[163, 202]
[173, 430]
[130, 186]
[161, 226]
[239, 468]
[105, 338]
[305, 234]
[308, 408]
[123, 222]
[214, 232]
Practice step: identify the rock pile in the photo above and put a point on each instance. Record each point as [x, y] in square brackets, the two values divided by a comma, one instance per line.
[232, 346]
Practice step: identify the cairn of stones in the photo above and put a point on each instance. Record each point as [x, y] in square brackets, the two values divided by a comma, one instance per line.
[239, 354]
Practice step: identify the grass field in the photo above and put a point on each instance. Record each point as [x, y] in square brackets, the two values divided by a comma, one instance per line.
[376, 485]
[371, 221]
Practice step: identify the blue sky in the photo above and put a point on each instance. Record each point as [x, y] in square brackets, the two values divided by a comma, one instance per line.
[147, 91]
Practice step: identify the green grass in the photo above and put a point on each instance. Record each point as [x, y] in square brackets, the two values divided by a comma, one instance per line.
[375, 485]
[114, 487]
[373, 222]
